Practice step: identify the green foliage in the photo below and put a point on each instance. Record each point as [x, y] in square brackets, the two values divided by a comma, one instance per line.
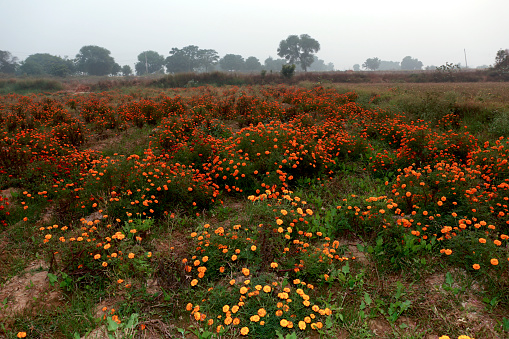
[8, 63]
[299, 50]
[232, 63]
[288, 71]
[149, 62]
[95, 60]
[372, 63]
[409, 63]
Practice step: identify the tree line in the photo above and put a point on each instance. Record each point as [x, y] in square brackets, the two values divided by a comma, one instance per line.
[95, 60]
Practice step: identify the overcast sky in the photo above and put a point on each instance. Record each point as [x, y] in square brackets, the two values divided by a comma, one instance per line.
[349, 32]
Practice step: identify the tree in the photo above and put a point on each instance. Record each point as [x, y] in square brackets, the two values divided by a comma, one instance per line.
[232, 62]
[183, 60]
[408, 63]
[8, 63]
[207, 58]
[356, 67]
[46, 64]
[149, 61]
[502, 59]
[389, 66]
[127, 70]
[252, 64]
[273, 65]
[299, 49]
[95, 60]
[371, 63]
[320, 66]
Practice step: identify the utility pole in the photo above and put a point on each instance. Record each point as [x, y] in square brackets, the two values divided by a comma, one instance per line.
[465, 51]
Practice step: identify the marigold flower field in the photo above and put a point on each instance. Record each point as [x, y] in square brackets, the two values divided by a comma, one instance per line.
[266, 197]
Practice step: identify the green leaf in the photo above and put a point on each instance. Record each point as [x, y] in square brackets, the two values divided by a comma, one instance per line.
[112, 325]
[367, 298]
[346, 269]
[448, 279]
[52, 279]
[505, 324]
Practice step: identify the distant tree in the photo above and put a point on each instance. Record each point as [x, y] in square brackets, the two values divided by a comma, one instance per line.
[273, 65]
[502, 59]
[127, 70]
[95, 60]
[190, 59]
[46, 64]
[116, 69]
[208, 58]
[8, 63]
[389, 66]
[371, 63]
[408, 63]
[356, 67]
[320, 66]
[299, 50]
[151, 61]
[232, 62]
[252, 64]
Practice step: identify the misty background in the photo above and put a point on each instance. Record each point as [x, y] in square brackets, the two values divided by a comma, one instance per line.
[434, 32]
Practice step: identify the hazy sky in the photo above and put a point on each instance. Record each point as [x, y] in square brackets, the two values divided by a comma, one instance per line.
[349, 32]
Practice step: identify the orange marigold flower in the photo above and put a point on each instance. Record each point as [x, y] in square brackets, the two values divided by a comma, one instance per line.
[476, 266]
[131, 255]
[194, 282]
[244, 330]
[494, 262]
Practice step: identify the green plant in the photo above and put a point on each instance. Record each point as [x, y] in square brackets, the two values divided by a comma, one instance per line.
[288, 71]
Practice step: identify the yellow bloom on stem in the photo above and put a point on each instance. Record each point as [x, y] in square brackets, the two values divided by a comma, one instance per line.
[244, 330]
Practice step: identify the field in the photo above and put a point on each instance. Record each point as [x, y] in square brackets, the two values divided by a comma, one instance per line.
[268, 211]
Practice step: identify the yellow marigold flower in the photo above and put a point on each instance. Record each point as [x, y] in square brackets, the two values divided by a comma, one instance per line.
[267, 289]
[243, 290]
[279, 221]
[302, 325]
[228, 321]
[245, 271]
[255, 318]
[226, 308]
[235, 308]
[21, 334]
[244, 330]
[253, 248]
[283, 323]
[308, 211]
[232, 282]
[131, 255]
[194, 282]
[261, 312]
[236, 321]
[97, 256]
